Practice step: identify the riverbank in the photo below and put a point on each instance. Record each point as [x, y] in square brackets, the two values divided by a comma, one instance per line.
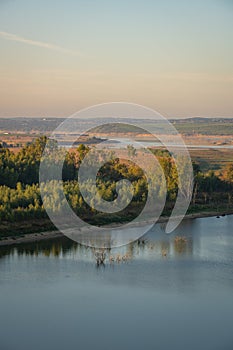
[53, 234]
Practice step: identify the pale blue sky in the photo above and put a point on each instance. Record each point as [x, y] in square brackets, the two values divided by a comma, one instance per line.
[59, 56]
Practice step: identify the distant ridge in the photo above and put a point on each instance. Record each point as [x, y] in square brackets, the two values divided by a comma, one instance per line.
[203, 120]
[192, 125]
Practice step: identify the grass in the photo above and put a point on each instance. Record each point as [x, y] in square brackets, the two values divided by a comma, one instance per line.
[20, 229]
[211, 159]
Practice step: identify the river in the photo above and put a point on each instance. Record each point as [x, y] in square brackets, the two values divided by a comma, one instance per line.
[169, 292]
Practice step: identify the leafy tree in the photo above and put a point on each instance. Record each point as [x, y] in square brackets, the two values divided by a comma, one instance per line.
[229, 172]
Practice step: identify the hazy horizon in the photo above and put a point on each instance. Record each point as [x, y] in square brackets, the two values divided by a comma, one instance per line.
[63, 117]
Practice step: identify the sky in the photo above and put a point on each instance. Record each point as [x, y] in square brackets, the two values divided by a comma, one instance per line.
[57, 57]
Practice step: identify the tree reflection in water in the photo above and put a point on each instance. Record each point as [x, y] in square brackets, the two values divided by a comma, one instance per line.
[165, 247]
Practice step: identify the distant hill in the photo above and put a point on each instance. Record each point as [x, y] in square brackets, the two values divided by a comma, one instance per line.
[202, 120]
[195, 125]
[29, 125]
[204, 126]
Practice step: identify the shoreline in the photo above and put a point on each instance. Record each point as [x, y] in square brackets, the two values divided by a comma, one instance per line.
[49, 235]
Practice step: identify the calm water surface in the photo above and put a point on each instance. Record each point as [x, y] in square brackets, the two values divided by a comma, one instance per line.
[169, 294]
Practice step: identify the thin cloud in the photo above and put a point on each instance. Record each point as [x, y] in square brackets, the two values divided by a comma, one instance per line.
[14, 37]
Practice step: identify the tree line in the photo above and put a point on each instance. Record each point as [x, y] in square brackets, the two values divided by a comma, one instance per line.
[20, 193]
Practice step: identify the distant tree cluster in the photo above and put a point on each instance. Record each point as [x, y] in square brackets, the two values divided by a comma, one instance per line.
[20, 194]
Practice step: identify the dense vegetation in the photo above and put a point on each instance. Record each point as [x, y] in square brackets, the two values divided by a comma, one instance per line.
[20, 195]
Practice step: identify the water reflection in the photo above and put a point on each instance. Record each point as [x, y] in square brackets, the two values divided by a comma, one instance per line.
[207, 239]
[162, 291]
[153, 245]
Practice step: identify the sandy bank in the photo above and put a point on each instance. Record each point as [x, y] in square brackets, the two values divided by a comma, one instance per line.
[36, 237]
